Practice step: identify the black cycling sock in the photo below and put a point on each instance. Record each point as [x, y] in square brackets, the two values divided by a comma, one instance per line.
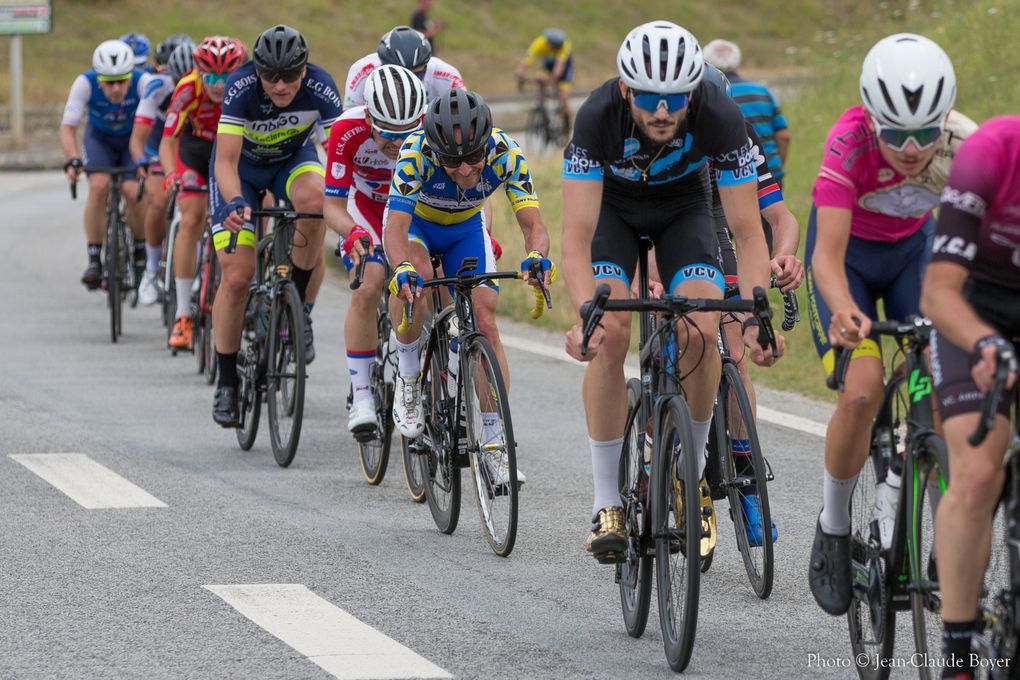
[95, 251]
[301, 277]
[140, 252]
[227, 369]
[956, 649]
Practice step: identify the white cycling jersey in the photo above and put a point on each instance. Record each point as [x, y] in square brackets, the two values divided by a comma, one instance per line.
[439, 77]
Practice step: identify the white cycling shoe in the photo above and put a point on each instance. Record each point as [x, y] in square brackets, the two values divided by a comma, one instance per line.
[361, 420]
[148, 289]
[407, 415]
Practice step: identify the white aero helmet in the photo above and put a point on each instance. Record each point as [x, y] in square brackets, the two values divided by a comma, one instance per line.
[113, 59]
[908, 82]
[660, 57]
[395, 96]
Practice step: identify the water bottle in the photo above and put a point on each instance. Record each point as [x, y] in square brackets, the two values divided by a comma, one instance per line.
[648, 448]
[452, 367]
[887, 496]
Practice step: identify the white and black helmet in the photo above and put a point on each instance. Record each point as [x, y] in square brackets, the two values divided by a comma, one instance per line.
[113, 59]
[181, 61]
[908, 82]
[394, 96]
[660, 57]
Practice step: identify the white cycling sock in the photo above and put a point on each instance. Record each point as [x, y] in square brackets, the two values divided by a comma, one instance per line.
[605, 469]
[700, 429]
[359, 365]
[835, 517]
[152, 254]
[407, 359]
[183, 298]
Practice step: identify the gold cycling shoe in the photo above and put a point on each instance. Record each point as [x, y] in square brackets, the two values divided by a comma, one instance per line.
[608, 541]
[708, 525]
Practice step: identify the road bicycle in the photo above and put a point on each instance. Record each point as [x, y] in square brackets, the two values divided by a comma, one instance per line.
[660, 485]
[545, 125]
[271, 359]
[899, 572]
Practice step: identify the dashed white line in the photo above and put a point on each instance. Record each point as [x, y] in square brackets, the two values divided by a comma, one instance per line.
[86, 482]
[331, 638]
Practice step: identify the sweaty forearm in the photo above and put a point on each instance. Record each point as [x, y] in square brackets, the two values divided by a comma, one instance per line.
[68, 141]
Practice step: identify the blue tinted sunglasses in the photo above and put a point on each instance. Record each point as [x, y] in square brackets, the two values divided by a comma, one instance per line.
[897, 140]
[213, 79]
[394, 136]
[651, 101]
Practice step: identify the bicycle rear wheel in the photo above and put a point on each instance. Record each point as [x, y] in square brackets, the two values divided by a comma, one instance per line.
[249, 372]
[930, 483]
[113, 275]
[491, 448]
[210, 285]
[169, 279]
[442, 476]
[746, 480]
[635, 572]
[374, 453]
[285, 376]
[676, 526]
[537, 127]
[414, 468]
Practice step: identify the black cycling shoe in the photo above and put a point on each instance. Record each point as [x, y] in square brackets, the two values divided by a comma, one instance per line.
[829, 573]
[93, 275]
[309, 340]
[225, 410]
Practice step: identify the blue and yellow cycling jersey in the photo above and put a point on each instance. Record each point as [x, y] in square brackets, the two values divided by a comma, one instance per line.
[540, 48]
[272, 134]
[421, 187]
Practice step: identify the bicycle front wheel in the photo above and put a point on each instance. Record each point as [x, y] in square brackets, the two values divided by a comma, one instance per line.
[745, 479]
[490, 445]
[414, 468]
[285, 376]
[438, 450]
[374, 453]
[676, 526]
[635, 572]
[113, 277]
[929, 483]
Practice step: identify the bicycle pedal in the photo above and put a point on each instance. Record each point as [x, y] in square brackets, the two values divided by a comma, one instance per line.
[610, 557]
[365, 435]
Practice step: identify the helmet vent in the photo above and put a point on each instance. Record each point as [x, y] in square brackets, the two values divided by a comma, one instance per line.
[937, 99]
[913, 98]
[888, 98]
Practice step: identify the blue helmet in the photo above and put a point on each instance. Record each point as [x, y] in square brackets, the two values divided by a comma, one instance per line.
[140, 45]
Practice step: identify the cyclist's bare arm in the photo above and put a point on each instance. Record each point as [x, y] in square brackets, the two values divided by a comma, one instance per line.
[786, 239]
[582, 202]
[943, 302]
[828, 266]
[334, 211]
[168, 155]
[69, 144]
[740, 205]
[395, 241]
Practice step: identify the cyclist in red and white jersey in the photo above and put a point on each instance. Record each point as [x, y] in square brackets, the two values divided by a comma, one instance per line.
[363, 147]
[402, 46]
[971, 292]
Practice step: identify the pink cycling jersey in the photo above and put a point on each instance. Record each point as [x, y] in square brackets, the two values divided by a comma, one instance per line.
[356, 165]
[885, 205]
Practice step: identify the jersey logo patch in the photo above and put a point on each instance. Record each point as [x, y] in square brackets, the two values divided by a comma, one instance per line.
[630, 147]
[338, 170]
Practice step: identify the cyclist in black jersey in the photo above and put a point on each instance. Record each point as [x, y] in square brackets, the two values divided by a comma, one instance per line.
[638, 163]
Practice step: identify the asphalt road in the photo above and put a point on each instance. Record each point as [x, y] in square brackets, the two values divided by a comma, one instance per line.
[121, 592]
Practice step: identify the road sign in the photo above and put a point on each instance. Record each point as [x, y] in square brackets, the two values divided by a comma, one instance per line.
[18, 18]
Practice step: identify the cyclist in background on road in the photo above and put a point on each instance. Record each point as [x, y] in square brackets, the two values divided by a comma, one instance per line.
[141, 47]
[628, 171]
[443, 177]
[363, 147]
[186, 151]
[555, 50]
[884, 166]
[971, 293]
[108, 94]
[145, 137]
[263, 142]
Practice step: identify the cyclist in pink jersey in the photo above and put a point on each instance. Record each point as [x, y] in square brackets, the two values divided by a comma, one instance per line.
[363, 147]
[884, 167]
[972, 294]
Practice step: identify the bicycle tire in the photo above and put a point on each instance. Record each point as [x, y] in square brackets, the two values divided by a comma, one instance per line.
[674, 540]
[1000, 641]
[871, 618]
[374, 454]
[635, 572]
[737, 422]
[925, 599]
[497, 500]
[537, 126]
[249, 393]
[170, 279]
[442, 476]
[113, 280]
[414, 474]
[285, 372]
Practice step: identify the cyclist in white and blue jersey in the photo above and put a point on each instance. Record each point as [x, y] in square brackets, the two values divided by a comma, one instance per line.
[108, 95]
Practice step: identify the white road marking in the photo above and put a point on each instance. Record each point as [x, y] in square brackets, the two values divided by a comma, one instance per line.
[331, 638]
[86, 482]
[630, 371]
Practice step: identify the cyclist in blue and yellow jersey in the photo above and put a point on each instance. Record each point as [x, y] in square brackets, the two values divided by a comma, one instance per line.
[109, 95]
[442, 178]
[264, 142]
[556, 53]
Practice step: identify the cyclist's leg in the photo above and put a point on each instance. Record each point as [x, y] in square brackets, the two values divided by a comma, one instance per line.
[193, 156]
[563, 93]
[95, 153]
[963, 536]
[156, 200]
[301, 180]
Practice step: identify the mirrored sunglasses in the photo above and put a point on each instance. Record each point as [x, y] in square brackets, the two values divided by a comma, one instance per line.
[394, 135]
[651, 101]
[897, 140]
[213, 79]
[470, 159]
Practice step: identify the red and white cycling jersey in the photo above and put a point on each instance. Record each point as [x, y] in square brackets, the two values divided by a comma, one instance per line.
[439, 77]
[356, 166]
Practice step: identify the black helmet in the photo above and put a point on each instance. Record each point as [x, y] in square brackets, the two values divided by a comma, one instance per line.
[167, 47]
[405, 47]
[463, 110]
[717, 78]
[181, 61]
[280, 49]
[555, 37]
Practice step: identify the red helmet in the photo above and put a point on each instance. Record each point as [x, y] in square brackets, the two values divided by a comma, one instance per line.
[220, 54]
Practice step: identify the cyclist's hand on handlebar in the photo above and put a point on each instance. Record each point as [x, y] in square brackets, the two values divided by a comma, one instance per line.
[353, 247]
[789, 272]
[73, 169]
[761, 355]
[984, 364]
[548, 268]
[238, 213]
[575, 336]
[400, 284]
[170, 180]
[848, 327]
